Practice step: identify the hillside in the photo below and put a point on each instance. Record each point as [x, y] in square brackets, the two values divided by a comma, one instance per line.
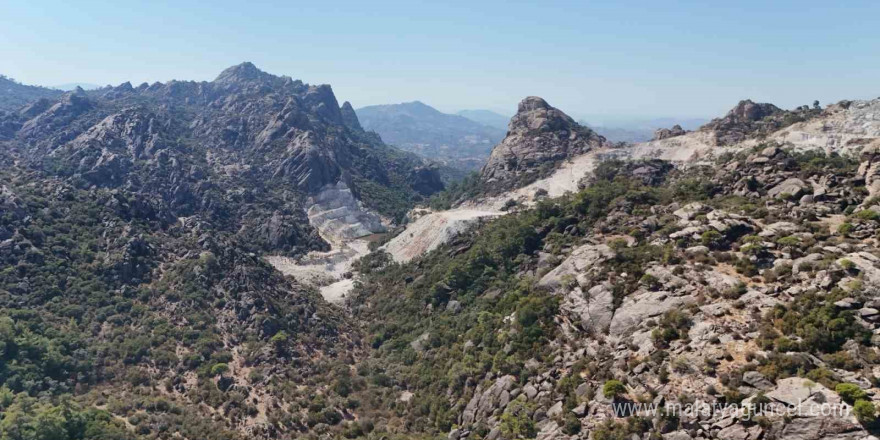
[746, 274]
[147, 231]
[14, 96]
[134, 297]
[414, 126]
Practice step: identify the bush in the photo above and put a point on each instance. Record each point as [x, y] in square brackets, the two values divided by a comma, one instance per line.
[673, 325]
[846, 264]
[867, 214]
[850, 393]
[516, 422]
[790, 241]
[865, 412]
[219, 369]
[613, 388]
[711, 238]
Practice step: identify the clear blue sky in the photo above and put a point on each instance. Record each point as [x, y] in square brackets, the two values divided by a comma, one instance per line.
[657, 58]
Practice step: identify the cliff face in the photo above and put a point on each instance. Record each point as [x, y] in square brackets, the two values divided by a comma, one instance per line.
[539, 135]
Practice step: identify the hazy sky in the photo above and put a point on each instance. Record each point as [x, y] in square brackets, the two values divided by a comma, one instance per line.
[657, 58]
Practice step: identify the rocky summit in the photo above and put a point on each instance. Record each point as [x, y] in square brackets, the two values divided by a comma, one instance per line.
[539, 136]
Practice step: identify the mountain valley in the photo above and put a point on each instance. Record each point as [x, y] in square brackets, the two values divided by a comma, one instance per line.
[247, 258]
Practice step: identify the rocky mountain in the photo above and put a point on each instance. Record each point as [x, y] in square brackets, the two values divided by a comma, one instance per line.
[730, 294]
[14, 96]
[414, 126]
[538, 138]
[719, 283]
[137, 220]
[749, 118]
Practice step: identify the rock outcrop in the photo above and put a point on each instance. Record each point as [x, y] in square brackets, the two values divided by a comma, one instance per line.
[666, 133]
[349, 117]
[749, 119]
[539, 136]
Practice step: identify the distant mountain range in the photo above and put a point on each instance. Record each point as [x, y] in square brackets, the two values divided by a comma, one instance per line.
[487, 117]
[72, 86]
[640, 130]
[455, 140]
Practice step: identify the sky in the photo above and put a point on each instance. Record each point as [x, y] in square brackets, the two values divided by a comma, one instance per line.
[594, 60]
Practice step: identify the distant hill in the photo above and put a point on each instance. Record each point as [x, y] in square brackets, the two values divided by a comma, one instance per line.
[417, 127]
[14, 95]
[72, 86]
[486, 117]
[640, 130]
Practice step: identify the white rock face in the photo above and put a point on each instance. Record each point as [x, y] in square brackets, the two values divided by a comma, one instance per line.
[433, 229]
[842, 130]
[343, 221]
[338, 216]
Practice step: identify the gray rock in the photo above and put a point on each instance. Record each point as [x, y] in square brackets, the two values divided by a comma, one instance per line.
[538, 134]
[640, 306]
[484, 403]
[419, 343]
[677, 435]
[757, 380]
[453, 306]
[792, 187]
[555, 410]
[691, 210]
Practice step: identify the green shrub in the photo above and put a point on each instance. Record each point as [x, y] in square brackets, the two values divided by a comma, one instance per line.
[613, 388]
[516, 421]
[865, 411]
[711, 238]
[219, 369]
[790, 241]
[867, 214]
[850, 393]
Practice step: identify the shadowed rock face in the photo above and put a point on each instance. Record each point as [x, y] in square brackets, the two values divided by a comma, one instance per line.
[538, 135]
[349, 117]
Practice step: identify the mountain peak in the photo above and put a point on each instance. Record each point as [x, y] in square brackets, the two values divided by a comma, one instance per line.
[535, 114]
[748, 110]
[537, 135]
[349, 117]
[532, 103]
[244, 72]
